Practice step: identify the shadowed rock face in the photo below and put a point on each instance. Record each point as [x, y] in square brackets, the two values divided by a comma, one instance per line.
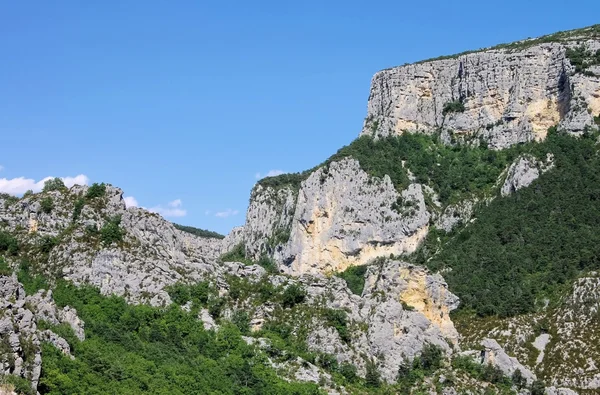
[509, 96]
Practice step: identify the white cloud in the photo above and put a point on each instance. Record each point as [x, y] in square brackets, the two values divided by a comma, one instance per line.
[130, 201]
[173, 209]
[20, 185]
[227, 213]
[270, 173]
[175, 203]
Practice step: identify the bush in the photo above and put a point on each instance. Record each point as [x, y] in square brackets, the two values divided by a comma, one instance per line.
[241, 320]
[349, 371]
[518, 380]
[5, 270]
[96, 191]
[538, 388]
[111, 232]
[293, 295]
[54, 184]
[338, 320]
[47, 243]
[355, 278]
[453, 106]
[8, 243]
[431, 357]
[372, 377]
[77, 208]
[47, 205]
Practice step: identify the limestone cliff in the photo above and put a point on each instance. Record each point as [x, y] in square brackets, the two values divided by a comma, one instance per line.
[504, 96]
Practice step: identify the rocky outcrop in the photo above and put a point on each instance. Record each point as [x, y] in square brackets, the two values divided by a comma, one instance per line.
[524, 171]
[344, 217]
[403, 307]
[504, 96]
[495, 355]
[20, 352]
[153, 253]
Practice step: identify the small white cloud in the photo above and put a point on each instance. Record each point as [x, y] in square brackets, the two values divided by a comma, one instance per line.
[130, 201]
[175, 203]
[20, 185]
[270, 173]
[173, 209]
[227, 213]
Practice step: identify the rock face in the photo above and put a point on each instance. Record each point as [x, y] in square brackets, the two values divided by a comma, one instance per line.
[495, 355]
[20, 352]
[506, 96]
[402, 308]
[523, 172]
[344, 218]
[152, 254]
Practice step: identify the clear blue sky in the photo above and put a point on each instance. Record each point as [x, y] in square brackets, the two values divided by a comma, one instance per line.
[190, 99]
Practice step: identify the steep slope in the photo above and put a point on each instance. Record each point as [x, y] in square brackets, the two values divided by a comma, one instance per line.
[504, 96]
[481, 168]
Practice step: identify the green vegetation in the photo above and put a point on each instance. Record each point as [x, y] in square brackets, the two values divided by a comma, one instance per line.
[8, 199]
[111, 232]
[96, 191]
[532, 244]
[19, 384]
[590, 32]
[355, 278]
[54, 184]
[488, 373]
[238, 254]
[8, 244]
[338, 319]
[31, 282]
[597, 120]
[47, 205]
[453, 106]
[583, 59]
[139, 349]
[430, 360]
[5, 270]
[293, 295]
[79, 203]
[199, 232]
[453, 171]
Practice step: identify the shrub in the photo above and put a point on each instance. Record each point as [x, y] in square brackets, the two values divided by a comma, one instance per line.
[355, 278]
[8, 243]
[79, 203]
[597, 120]
[538, 388]
[54, 184]
[373, 377]
[431, 357]
[5, 270]
[111, 232]
[338, 320]
[453, 106]
[293, 295]
[47, 205]
[349, 371]
[518, 380]
[47, 243]
[241, 320]
[95, 191]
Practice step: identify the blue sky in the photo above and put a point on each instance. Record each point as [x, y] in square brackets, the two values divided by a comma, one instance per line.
[182, 104]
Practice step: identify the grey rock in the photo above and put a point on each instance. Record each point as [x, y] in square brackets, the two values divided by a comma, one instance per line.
[510, 96]
[523, 172]
[495, 355]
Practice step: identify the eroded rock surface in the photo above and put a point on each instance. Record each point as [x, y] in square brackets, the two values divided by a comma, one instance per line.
[506, 96]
